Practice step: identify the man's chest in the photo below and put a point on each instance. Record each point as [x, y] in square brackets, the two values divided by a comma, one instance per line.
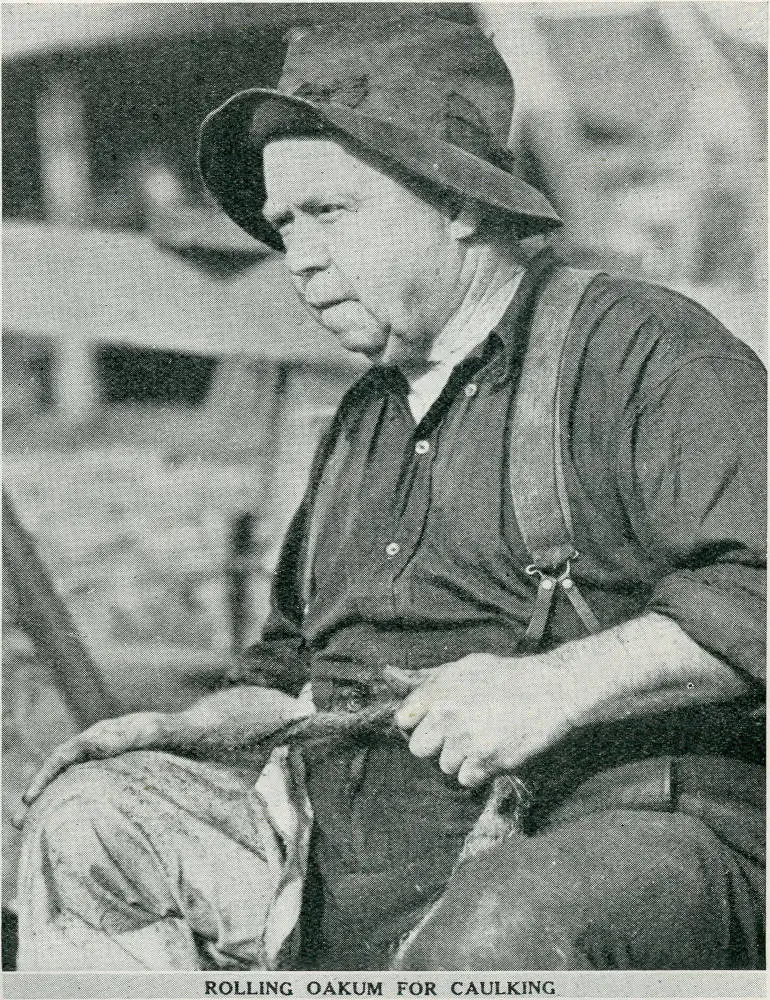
[423, 498]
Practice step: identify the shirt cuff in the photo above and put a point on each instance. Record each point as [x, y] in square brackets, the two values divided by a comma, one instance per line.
[722, 608]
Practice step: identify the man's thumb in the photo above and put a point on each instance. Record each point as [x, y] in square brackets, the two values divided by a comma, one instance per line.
[403, 681]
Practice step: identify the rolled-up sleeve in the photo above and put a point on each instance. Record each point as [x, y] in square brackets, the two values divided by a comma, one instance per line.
[695, 455]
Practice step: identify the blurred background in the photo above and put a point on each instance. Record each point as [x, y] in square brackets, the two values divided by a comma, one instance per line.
[162, 391]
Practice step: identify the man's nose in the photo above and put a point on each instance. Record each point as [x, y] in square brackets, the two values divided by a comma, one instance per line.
[306, 248]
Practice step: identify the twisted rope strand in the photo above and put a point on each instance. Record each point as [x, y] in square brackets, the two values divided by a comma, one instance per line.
[502, 817]
[509, 797]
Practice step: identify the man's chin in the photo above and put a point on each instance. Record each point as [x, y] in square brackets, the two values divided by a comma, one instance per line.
[373, 349]
[378, 346]
[358, 337]
[372, 344]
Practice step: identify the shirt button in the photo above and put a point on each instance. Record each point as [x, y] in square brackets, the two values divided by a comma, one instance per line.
[422, 447]
[471, 389]
[392, 549]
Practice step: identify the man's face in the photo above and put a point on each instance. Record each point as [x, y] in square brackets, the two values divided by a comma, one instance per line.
[374, 263]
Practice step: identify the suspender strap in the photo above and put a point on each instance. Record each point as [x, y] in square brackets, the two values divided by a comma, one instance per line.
[536, 467]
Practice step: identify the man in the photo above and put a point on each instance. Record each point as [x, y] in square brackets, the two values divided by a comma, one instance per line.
[378, 167]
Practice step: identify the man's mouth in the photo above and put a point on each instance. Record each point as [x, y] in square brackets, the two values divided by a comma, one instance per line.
[336, 312]
[324, 304]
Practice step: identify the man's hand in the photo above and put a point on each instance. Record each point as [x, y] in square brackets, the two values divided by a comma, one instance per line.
[484, 714]
[215, 726]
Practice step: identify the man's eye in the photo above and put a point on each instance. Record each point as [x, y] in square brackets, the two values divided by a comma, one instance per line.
[327, 212]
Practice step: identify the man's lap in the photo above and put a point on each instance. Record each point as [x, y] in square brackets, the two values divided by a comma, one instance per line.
[619, 889]
[630, 888]
[656, 863]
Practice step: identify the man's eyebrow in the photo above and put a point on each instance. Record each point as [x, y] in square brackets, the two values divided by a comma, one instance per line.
[273, 211]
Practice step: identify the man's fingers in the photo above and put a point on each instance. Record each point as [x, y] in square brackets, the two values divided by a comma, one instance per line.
[426, 740]
[415, 705]
[65, 756]
[412, 711]
[472, 774]
[453, 754]
[17, 819]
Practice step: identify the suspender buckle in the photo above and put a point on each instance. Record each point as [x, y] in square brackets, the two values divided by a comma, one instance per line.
[548, 582]
[564, 578]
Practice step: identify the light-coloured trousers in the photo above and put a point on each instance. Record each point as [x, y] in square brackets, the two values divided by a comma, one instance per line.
[149, 861]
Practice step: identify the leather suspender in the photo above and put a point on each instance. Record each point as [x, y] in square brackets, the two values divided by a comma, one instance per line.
[536, 467]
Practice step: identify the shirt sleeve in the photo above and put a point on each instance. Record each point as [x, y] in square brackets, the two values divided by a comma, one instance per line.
[696, 492]
[280, 660]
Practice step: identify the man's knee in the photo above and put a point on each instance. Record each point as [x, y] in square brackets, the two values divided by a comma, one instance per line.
[77, 815]
[614, 890]
[483, 924]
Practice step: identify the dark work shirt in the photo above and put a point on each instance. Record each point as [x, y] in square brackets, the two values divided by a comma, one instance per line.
[416, 555]
[406, 552]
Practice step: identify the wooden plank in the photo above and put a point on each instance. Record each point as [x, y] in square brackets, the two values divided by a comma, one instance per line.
[118, 287]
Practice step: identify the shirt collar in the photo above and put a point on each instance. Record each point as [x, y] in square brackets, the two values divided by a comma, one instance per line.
[484, 321]
[485, 358]
[505, 346]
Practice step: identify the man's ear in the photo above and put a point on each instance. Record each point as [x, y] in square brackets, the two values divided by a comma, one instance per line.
[468, 220]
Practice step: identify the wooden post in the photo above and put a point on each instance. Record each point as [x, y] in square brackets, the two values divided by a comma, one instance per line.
[273, 384]
[240, 548]
[256, 388]
[66, 183]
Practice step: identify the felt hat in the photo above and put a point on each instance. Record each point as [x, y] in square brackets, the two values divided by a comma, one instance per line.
[427, 94]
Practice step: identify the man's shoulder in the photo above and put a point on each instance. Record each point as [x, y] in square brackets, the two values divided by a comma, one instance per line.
[628, 325]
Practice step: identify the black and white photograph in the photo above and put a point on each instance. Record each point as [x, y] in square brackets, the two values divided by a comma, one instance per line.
[384, 498]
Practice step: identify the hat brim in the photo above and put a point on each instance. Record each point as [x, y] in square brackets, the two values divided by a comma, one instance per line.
[233, 136]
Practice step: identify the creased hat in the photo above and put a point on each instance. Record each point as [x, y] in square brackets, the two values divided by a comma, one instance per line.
[429, 95]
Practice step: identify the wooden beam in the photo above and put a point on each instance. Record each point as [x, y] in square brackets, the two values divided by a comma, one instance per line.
[122, 288]
[45, 619]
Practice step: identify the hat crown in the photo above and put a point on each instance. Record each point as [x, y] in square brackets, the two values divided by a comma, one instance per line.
[445, 78]
[424, 93]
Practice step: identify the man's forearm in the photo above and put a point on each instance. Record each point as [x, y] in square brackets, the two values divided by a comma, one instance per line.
[237, 718]
[645, 665]
[485, 714]
[228, 726]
